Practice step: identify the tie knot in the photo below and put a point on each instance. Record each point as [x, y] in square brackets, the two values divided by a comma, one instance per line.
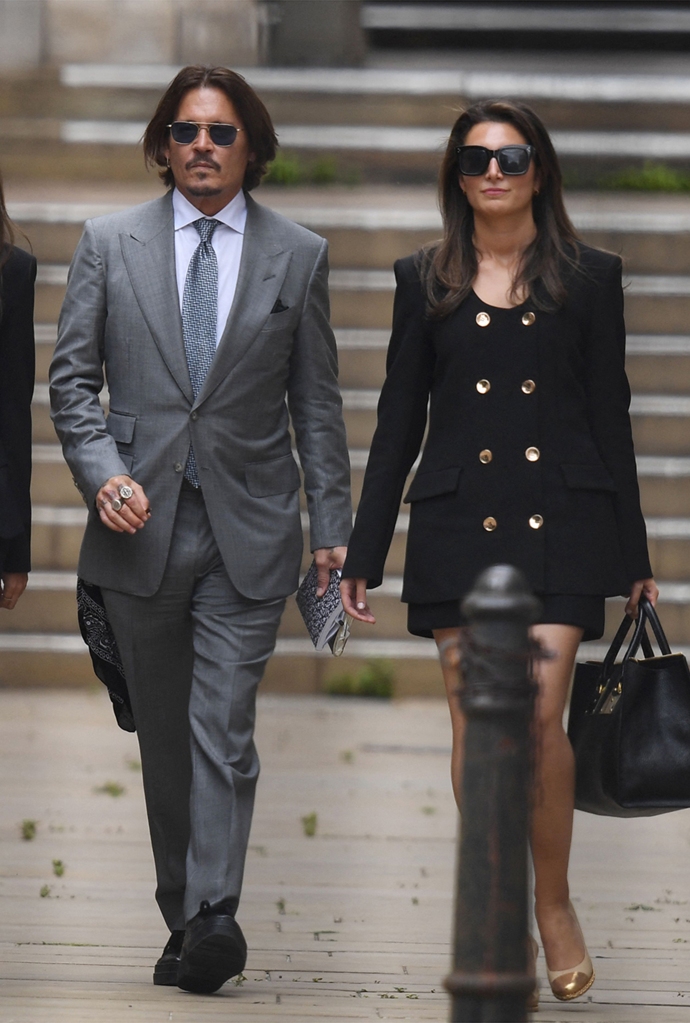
[206, 226]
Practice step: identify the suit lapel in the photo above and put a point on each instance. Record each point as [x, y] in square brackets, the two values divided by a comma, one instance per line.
[263, 266]
[149, 255]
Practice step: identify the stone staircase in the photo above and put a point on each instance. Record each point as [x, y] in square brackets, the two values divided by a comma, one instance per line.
[368, 228]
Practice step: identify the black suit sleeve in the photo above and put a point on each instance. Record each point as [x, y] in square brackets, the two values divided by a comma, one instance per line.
[17, 371]
[608, 396]
[402, 415]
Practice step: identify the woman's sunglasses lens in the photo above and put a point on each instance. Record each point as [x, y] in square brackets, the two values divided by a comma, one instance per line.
[473, 160]
[223, 134]
[183, 132]
[513, 160]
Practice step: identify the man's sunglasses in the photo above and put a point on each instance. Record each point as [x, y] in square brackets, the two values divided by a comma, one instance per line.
[474, 160]
[184, 132]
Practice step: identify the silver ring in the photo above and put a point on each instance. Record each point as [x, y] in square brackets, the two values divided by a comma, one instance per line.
[125, 492]
[116, 504]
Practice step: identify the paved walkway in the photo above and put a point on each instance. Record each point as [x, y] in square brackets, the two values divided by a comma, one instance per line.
[350, 924]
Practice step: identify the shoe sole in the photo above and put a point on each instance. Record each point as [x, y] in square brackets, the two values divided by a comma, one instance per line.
[212, 961]
[165, 975]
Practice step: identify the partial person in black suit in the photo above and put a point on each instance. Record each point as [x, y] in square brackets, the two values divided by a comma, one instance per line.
[510, 330]
[17, 366]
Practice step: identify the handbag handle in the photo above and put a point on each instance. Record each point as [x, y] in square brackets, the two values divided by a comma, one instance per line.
[650, 614]
[646, 613]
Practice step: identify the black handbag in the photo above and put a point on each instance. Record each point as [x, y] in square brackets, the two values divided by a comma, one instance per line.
[629, 725]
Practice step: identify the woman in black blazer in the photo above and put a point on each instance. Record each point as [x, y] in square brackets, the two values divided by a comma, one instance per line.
[17, 365]
[510, 331]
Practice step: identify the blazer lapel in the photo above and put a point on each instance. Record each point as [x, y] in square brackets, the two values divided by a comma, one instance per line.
[263, 266]
[149, 255]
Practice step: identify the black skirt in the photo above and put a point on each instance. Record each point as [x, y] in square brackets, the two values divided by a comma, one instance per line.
[583, 611]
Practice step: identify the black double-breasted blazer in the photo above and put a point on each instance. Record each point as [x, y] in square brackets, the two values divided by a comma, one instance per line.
[17, 368]
[529, 456]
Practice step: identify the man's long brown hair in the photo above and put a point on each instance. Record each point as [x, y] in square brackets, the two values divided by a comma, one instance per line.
[255, 118]
[449, 267]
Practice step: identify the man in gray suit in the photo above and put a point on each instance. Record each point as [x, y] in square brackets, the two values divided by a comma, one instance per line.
[208, 314]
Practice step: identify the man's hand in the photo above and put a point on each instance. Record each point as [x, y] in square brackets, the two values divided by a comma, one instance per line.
[354, 597]
[135, 511]
[327, 558]
[12, 585]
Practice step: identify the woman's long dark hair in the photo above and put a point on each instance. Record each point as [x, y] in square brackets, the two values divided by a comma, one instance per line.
[450, 266]
[6, 231]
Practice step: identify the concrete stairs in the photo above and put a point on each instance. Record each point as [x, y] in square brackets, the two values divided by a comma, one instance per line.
[367, 228]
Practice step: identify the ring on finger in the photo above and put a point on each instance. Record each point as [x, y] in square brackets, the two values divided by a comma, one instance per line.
[125, 492]
[116, 504]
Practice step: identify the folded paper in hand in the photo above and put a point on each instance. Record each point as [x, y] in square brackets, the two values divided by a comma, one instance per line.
[325, 617]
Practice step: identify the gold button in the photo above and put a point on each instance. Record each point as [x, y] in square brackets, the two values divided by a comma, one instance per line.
[485, 456]
[483, 386]
[489, 524]
[528, 319]
[532, 454]
[483, 319]
[528, 386]
[536, 521]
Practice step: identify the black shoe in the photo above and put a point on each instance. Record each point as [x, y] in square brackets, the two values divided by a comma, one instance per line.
[214, 950]
[165, 970]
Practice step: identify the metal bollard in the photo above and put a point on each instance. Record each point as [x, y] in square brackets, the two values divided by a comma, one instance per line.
[490, 980]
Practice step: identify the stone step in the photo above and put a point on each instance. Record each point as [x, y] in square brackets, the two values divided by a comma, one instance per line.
[658, 363]
[86, 150]
[363, 299]
[650, 239]
[48, 660]
[565, 98]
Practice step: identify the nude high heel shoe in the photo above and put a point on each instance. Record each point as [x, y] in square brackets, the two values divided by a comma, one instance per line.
[573, 982]
[569, 984]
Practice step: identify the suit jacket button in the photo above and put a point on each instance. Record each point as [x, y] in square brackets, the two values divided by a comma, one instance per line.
[528, 319]
[178, 467]
[483, 386]
[489, 523]
[528, 387]
[485, 456]
[536, 521]
[194, 416]
[532, 454]
[483, 319]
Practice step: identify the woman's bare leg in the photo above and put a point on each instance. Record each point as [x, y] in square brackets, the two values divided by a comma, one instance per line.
[451, 675]
[554, 788]
[552, 817]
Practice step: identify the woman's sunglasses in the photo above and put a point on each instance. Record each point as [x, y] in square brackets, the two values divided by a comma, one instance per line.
[184, 132]
[474, 160]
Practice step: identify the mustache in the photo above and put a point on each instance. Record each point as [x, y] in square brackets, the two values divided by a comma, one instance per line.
[201, 162]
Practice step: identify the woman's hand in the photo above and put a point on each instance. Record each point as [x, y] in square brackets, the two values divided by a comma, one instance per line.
[12, 585]
[354, 596]
[643, 587]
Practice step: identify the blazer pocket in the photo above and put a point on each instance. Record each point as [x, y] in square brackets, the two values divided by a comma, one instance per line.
[276, 476]
[433, 484]
[120, 426]
[588, 477]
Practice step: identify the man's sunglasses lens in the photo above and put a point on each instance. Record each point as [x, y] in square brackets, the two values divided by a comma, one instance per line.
[474, 160]
[184, 133]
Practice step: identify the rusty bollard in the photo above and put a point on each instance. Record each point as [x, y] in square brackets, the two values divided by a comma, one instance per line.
[490, 980]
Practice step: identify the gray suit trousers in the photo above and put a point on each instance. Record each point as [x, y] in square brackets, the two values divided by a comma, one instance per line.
[194, 654]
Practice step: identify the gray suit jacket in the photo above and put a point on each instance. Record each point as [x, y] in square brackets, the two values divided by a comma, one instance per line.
[121, 314]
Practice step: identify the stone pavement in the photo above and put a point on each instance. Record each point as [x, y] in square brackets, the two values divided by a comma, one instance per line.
[351, 923]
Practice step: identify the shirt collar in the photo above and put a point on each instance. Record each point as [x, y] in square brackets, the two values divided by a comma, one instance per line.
[233, 215]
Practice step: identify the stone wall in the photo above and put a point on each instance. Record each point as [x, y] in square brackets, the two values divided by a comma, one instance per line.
[52, 32]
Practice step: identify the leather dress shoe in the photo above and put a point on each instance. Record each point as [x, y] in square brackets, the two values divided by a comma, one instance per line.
[165, 970]
[213, 951]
